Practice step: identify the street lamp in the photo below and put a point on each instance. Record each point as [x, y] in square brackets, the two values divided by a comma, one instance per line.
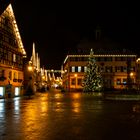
[43, 77]
[131, 74]
[30, 68]
[75, 75]
[32, 76]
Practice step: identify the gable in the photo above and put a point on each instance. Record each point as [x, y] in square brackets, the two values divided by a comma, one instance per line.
[10, 30]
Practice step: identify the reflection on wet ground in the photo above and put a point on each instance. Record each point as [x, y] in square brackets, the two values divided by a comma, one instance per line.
[68, 116]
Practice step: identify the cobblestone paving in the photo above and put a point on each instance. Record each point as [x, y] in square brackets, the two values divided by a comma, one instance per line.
[68, 116]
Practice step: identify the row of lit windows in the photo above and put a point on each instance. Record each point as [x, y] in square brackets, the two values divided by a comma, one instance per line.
[118, 81]
[10, 56]
[5, 21]
[9, 38]
[7, 30]
[101, 69]
[78, 69]
[16, 93]
[104, 58]
[6, 54]
[124, 81]
[79, 81]
[6, 24]
[16, 75]
[6, 27]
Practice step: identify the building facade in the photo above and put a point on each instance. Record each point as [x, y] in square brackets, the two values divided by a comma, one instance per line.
[115, 66]
[12, 54]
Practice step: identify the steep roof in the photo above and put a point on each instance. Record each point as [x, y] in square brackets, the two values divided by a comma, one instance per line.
[3, 5]
[8, 14]
[101, 48]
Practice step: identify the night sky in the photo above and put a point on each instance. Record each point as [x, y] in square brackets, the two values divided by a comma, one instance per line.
[56, 27]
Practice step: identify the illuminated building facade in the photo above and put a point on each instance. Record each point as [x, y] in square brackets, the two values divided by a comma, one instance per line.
[12, 54]
[115, 66]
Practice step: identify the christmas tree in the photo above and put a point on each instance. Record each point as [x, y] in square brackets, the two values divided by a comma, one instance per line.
[92, 80]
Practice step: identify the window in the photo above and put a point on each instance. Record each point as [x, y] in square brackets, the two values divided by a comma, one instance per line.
[117, 69]
[76, 69]
[108, 68]
[72, 58]
[15, 75]
[124, 81]
[19, 76]
[82, 69]
[10, 75]
[73, 81]
[79, 69]
[14, 57]
[123, 58]
[102, 59]
[5, 54]
[85, 59]
[79, 81]
[85, 69]
[117, 58]
[72, 69]
[9, 56]
[1, 53]
[1, 91]
[118, 81]
[17, 91]
[2, 73]
[108, 58]
[79, 59]
[124, 69]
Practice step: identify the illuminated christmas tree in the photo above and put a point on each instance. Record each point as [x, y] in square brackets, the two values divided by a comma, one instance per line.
[92, 80]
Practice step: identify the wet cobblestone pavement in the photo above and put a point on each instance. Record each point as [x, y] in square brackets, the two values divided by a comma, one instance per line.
[68, 116]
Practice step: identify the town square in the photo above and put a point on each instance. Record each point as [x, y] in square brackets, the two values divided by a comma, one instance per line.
[68, 73]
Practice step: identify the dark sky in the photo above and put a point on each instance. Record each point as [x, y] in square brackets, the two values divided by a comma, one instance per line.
[56, 27]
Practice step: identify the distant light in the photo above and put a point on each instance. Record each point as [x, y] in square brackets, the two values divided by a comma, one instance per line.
[1, 91]
[16, 91]
[30, 68]
[131, 74]
[138, 60]
[55, 85]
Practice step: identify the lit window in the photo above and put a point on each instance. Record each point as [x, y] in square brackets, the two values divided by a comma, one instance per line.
[73, 69]
[79, 69]
[1, 91]
[10, 75]
[14, 57]
[16, 91]
[85, 69]
[73, 81]
[124, 81]
[118, 81]
[124, 69]
[15, 75]
[118, 69]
